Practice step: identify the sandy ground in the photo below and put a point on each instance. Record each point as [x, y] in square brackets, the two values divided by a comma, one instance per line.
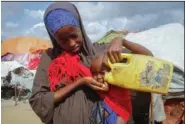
[20, 114]
[23, 114]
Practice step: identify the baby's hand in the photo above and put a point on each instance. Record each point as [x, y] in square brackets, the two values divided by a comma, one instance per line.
[105, 86]
[92, 83]
[100, 79]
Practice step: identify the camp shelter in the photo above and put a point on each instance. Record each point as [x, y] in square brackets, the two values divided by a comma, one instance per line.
[24, 44]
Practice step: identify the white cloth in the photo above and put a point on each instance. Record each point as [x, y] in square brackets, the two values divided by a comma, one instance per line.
[158, 108]
[7, 66]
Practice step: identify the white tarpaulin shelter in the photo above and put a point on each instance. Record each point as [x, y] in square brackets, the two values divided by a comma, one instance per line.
[165, 42]
[25, 79]
[7, 66]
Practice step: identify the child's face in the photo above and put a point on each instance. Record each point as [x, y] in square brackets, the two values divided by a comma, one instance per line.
[98, 70]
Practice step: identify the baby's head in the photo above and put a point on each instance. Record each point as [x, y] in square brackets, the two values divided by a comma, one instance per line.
[98, 69]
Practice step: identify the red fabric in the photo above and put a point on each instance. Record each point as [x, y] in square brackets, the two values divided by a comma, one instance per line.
[33, 63]
[69, 65]
[67, 68]
[174, 109]
[119, 100]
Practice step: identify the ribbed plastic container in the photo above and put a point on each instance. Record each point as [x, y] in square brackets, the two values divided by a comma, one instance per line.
[141, 73]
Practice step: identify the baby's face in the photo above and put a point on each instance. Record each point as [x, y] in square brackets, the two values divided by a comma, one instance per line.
[98, 70]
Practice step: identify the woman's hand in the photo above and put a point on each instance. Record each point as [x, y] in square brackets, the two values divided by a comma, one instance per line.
[116, 47]
[114, 51]
[89, 81]
[92, 83]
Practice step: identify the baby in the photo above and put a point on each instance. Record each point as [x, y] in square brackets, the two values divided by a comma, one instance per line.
[117, 101]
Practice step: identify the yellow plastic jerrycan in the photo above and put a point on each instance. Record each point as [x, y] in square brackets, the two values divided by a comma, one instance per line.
[141, 73]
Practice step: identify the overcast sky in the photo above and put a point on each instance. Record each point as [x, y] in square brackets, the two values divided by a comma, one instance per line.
[25, 18]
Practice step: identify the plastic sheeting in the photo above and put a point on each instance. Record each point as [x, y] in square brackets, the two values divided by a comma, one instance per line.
[29, 61]
[158, 108]
[9, 66]
[19, 75]
[177, 83]
[23, 80]
[21, 58]
[165, 42]
[33, 61]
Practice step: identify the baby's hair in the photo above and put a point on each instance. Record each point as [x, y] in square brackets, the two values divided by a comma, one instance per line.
[97, 57]
[100, 56]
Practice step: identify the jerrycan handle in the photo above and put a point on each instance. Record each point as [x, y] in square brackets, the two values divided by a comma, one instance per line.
[125, 59]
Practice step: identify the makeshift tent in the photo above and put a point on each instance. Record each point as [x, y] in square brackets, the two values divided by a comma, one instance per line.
[23, 54]
[24, 44]
[29, 61]
[165, 42]
[9, 66]
[20, 79]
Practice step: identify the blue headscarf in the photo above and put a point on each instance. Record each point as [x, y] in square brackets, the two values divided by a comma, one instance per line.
[59, 18]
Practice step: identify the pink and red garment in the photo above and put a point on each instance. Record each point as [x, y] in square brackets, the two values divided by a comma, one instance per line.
[66, 68]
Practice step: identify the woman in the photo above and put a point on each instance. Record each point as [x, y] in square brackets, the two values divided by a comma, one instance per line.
[58, 102]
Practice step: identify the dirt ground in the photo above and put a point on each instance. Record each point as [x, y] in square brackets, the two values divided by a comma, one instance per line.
[23, 114]
[20, 114]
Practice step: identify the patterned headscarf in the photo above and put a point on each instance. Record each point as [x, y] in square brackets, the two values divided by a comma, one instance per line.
[59, 18]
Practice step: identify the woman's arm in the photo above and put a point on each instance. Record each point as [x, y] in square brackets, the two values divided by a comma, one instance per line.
[116, 47]
[61, 94]
[89, 81]
[136, 48]
[42, 100]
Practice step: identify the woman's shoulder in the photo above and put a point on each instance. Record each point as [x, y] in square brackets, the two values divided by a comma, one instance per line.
[47, 53]
[46, 56]
[100, 47]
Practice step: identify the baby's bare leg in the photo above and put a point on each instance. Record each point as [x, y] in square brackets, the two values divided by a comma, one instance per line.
[120, 121]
